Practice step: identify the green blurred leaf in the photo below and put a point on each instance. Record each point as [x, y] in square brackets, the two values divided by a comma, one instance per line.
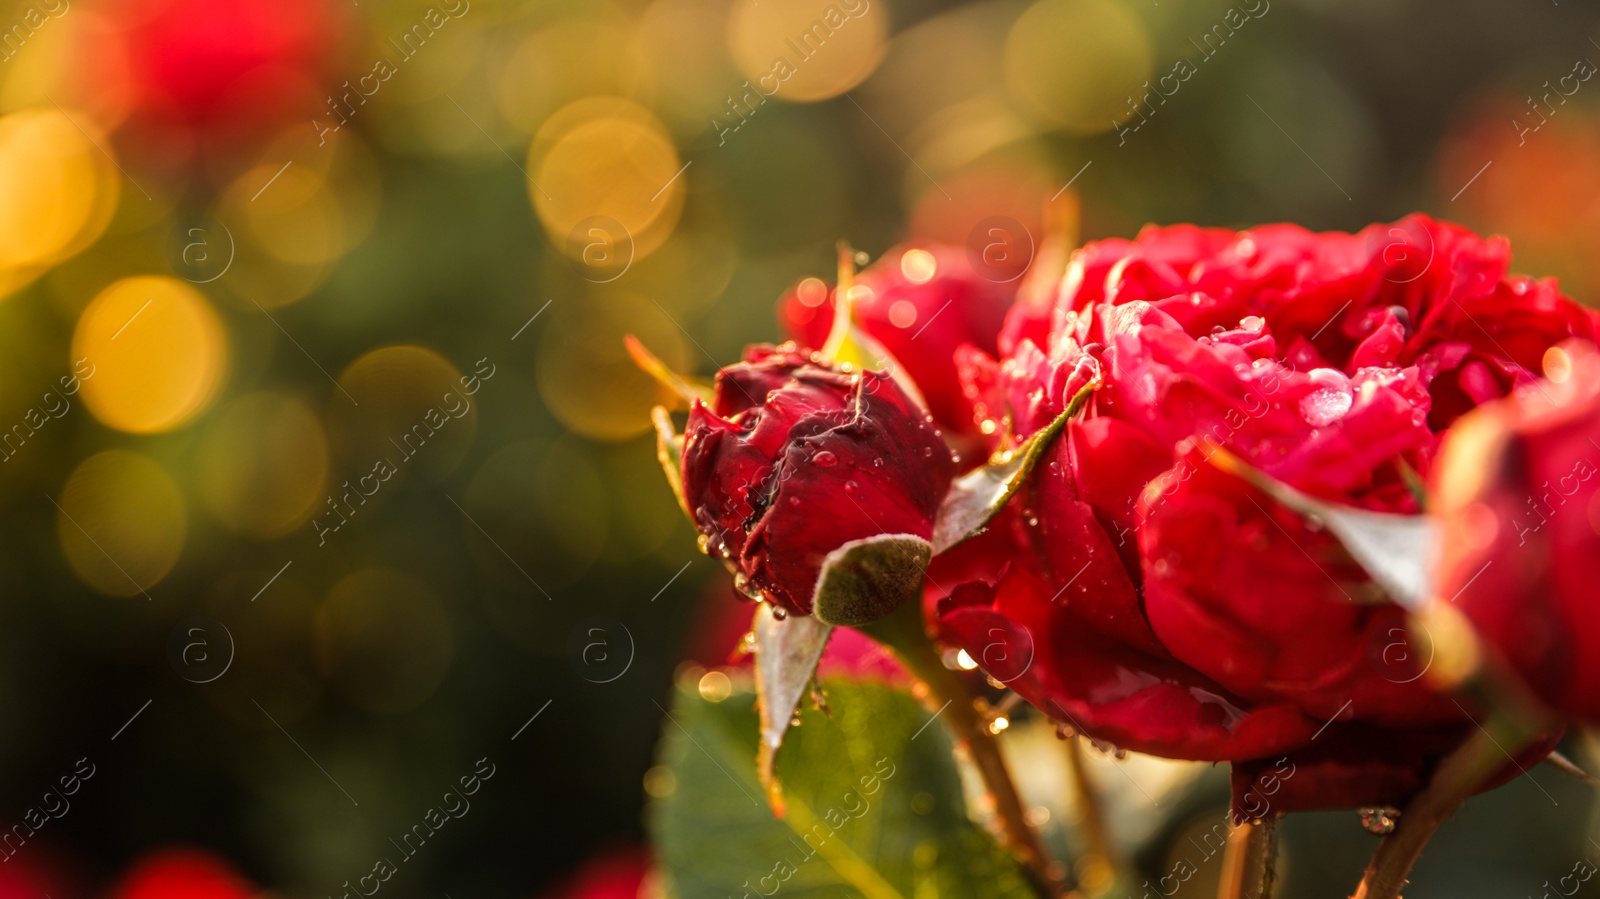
[874, 806]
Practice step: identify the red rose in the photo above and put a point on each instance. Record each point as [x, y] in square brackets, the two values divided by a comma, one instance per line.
[1170, 608]
[922, 302]
[794, 459]
[1517, 492]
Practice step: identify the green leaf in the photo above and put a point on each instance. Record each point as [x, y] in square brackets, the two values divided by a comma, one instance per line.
[866, 579]
[978, 496]
[875, 806]
[787, 652]
[1396, 550]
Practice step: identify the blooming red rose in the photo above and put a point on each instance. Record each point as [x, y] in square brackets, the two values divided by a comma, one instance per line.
[794, 459]
[923, 303]
[1171, 608]
[1517, 492]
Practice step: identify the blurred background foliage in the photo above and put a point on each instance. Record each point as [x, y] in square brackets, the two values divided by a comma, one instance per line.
[224, 315]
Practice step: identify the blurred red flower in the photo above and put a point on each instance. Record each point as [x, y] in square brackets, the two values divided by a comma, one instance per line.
[1516, 489]
[197, 74]
[182, 873]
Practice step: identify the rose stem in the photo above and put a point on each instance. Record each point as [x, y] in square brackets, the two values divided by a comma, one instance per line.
[1252, 846]
[1457, 777]
[903, 631]
[1269, 857]
[1099, 864]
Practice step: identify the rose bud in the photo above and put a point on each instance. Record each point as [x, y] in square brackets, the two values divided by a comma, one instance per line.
[1167, 606]
[1516, 490]
[794, 462]
[922, 302]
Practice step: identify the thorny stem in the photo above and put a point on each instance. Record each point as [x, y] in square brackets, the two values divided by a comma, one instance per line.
[903, 632]
[1269, 857]
[1458, 776]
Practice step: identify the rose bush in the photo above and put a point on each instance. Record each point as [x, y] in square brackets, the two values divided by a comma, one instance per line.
[794, 458]
[1162, 605]
[1517, 493]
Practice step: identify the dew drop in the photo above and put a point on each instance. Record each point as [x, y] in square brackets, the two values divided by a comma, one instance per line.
[825, 459]
[741, 582]
[704, 542]
[779, 613]
[851, 487]
[1329, 401]
[1379, 820]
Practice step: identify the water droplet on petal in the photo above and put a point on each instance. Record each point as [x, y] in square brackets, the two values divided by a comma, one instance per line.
[1329, 401]
[825, 459]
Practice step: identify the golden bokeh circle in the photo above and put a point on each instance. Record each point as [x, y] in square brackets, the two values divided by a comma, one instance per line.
[805, 50]
[585, 375]
[59, 191]
[606, 159]
[287, 211]
[383, 641]
[1077, 62]
[262, 465]
[407, 409]
[585, 55]
[158, 352]
[121, 522]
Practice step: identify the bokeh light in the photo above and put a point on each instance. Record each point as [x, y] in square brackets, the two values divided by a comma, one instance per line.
[158, 351]
[1079, 63]
[121, 522]
[262, 465]
[805, 50]
[59, 191]
[585, 374]
[611, 161]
